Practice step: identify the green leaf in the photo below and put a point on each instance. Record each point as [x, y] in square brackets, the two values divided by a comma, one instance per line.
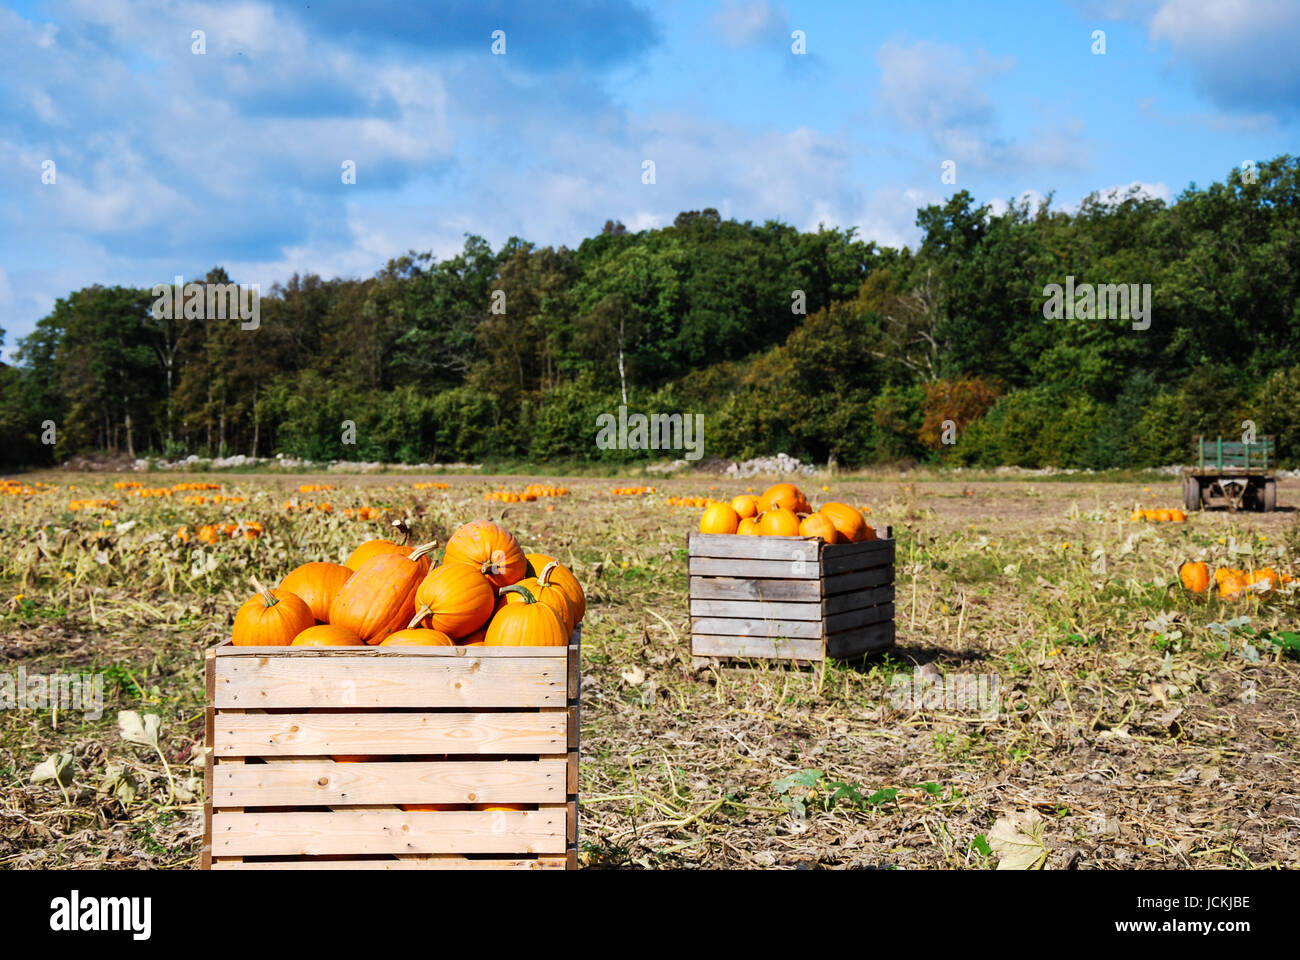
[981, 845]
[137, 729]
[881, 796]
[805, 778]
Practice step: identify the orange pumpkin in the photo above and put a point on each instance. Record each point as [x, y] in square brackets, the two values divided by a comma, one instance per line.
[271, 619]
[327, 635]
[455, 598]
[1266, 575]
[545, 592]
[490, 549]
[526, 624]
[1230, 587]
[719, 518]
[818, 525]
[416, 638]
[779, 522]
[748, 527]
[745, 505]
[1195, 576]
[380, 597]
[475, 639]
[1177, 516]
[785, 495]
[563, 578]
[371, 549]
[317, 584]
[848, 522]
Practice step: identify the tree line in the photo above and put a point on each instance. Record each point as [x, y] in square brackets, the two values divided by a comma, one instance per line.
[818, 344]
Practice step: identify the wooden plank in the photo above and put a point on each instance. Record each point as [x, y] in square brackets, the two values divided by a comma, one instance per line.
[430, 862]
[314, 734]
[756, 610]
[859, 618]
[855, 643]
[745, 647]
[380, 831]
[279, 682]
[227, 649]
[857, 580]
[857, 599]
[754, 588]
[843, 551]
[322, 783]
[785, 569]
[734, 547]
[882, 552]
[739, 627]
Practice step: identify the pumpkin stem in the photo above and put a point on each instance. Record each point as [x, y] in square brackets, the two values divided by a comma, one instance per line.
[404, 530]
[521, 590]
[419, 615]
[268, 598]
[422, 550]
[544, 578]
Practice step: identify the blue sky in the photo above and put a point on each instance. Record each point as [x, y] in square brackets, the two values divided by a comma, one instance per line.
[168, 162]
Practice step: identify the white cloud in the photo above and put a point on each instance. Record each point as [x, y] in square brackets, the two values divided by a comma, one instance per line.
[741, 23]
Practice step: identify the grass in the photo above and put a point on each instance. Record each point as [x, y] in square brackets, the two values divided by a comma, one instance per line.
[1147, 727]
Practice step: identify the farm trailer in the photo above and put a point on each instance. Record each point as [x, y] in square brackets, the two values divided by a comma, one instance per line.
[1236, 473]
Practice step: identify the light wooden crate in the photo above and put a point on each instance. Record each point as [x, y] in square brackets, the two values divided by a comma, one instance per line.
[789, 598]
[449, 725]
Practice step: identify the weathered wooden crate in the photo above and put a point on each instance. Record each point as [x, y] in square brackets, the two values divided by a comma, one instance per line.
[789, 598]
[447, 725]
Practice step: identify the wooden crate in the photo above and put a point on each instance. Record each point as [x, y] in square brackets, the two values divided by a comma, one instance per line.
[449, 725]
[789, 598]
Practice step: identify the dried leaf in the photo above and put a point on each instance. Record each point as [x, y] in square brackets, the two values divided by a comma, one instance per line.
[58, 767]
[1018, 841]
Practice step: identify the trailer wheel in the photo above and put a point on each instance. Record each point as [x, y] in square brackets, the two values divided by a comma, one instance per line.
[1270, 496]
[1191, 493]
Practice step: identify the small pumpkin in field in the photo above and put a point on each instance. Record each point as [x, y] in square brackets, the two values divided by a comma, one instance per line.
[848, 522]
[1266, 575]
[272, 618]
[317, 584]
[1230, 586]
[526, 624]
[327, 635]
[818, 525]
[1177, 516]
[563, 578]
[454, 598]
[748, 527]
[779, 522]
[489, 548]
[416, 637]
[1195, 576]
[719, 518]
[380, 597]
[745, 505]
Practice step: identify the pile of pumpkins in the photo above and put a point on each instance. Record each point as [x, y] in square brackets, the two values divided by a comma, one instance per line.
[1158, 516]
[1229, 581]
[486, 592]
[784, 511]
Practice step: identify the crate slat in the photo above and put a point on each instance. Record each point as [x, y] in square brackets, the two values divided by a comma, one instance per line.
[757, 610]
[313, 734]
[840, 622]
[741, 627]
[720, 567]
[703, 645]
[378, 832]
[857, 580]
[254, 682]
[755, 588]
[731, 547]
[857, 599]
[854, 643]
[876, 553]
[322, 782]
